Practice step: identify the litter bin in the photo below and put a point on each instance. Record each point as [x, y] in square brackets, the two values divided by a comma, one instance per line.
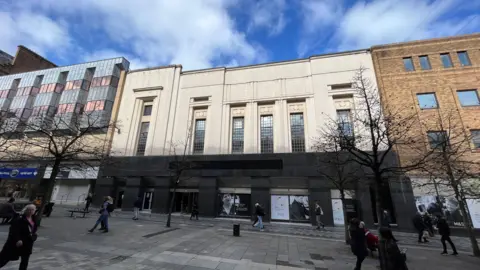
[236, 229]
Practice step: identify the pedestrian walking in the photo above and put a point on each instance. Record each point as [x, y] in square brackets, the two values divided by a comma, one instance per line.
[318, 215]
[394, 258]
[444, 231]
[420, 226]
[88, 201]
[427, 220]
[260, 213]
[194, 211]
[21, 236]
[358, 242]
[104, 212]
[387, 221]
[137, 205]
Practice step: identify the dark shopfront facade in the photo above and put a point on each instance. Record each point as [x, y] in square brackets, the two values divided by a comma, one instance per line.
[286, 185]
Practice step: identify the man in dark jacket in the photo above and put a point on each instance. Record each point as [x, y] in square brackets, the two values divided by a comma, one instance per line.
[420, 226]
[358, 242]
[444, 231]
[260, 213]
[136, 208]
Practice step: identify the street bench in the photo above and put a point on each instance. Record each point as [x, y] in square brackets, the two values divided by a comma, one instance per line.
[78, 211]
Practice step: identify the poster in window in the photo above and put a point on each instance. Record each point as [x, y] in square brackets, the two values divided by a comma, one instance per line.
[242, 205]
[234, 204]
[280, 207]
[299, 208]
[448, 207]
[338, 217]
[226, 204]
[474, 209]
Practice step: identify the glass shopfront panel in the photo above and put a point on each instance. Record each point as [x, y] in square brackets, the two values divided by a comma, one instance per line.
[290, 207]
[234, 205]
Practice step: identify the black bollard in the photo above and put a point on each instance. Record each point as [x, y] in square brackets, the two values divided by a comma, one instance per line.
[236, 230]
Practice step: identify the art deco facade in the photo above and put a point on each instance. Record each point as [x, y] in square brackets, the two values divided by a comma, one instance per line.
[251, 130]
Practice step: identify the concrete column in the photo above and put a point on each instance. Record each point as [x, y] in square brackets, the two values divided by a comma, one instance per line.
[403, 202]
[104, 187]
[311, 130]
[323, 196]
[225, 132]
[132, 191]
[161, 195]
[260, 193]
[207, 196]
[251, 128]
[365, 205]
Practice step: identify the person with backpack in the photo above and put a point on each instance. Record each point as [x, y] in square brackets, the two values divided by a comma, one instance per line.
[318, 215]
[260, 213]
[107, 208]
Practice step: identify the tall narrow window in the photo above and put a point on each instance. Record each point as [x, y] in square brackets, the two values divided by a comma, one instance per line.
[297, 130]
[463, 58]
[408, 63]
[425, 63]
[446, 60]
[147, 110]
[237, 134]
[266, 134]
[345, 128]
[142, 138]
[199, 138]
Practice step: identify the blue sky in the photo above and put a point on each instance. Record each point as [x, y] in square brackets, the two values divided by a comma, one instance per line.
[208, 33]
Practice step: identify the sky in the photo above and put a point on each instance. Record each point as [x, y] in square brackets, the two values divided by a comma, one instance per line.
[212, 33]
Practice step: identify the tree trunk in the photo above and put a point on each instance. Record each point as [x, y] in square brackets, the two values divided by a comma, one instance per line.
[49, 190]
[467, 221]
[172, 201]
[379, 209]
[345, 218]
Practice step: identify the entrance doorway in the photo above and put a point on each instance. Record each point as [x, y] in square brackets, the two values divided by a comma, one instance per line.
[120, 199]
[147, 200]
[184, 201]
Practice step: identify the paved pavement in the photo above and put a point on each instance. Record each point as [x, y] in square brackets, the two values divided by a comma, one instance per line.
[207, 244]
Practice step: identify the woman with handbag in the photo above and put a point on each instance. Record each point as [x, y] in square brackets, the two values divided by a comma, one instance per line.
[396, 260]
[20, 239]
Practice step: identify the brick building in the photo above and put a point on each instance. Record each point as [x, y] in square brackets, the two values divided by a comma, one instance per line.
[436, 81]
[24, 60]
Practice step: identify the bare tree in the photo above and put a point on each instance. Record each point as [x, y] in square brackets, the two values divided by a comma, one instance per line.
[451, 167]
[335, 165]
[378, 129]
[178, 166]
[66, 139]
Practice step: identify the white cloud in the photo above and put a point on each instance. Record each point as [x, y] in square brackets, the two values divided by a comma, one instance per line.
[334, 25]
[192, 33]
[35, 31]
[267, 14]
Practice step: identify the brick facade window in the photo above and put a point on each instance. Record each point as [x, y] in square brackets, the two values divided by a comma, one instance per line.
[438, 139]
[468, 98]
[425, 62]
[463, 58]
[408, 63]
[427, 101]
[476, 138]
[446, 60]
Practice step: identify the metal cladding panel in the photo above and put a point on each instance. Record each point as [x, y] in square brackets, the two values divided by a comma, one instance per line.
[102, 93]
[46, 99]
[22, 102]
[73, 96]
[5, 103]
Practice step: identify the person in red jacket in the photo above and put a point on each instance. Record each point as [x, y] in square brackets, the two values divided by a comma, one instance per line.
[372, 240]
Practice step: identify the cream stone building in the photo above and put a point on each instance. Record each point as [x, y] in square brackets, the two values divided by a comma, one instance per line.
[249, 131]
